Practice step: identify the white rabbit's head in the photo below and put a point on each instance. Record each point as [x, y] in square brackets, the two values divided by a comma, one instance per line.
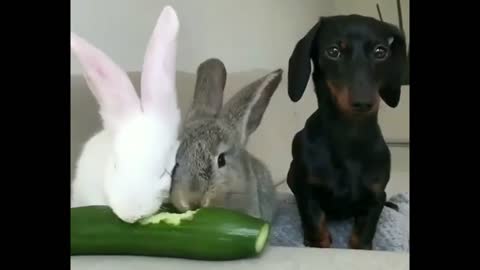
[144, 130]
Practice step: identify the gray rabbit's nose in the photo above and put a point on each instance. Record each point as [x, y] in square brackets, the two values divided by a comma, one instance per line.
[205, 202]
[182, 202]
[181, 205]
[182, 197]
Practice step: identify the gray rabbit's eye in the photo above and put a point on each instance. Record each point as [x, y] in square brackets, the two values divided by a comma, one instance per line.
[221, 160]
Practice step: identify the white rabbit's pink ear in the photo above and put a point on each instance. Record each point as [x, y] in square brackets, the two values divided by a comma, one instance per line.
[159, 68]
[108, 82]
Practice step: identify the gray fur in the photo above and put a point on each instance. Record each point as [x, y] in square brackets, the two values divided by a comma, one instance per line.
[266, 190]
[234, 111]
[244, 183]
[208, 96]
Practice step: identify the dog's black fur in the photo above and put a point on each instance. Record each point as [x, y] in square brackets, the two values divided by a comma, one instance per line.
[341, 162]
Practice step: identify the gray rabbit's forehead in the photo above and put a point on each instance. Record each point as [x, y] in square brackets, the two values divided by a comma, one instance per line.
[205, 137]
[211, 132]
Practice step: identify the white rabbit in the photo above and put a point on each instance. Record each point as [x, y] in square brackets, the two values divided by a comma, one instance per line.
[128, 164]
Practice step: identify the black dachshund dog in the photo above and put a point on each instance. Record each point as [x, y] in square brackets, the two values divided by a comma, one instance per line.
[341, 162]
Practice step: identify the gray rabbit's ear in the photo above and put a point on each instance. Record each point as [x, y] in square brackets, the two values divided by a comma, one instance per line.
[208, 96]
[244, 111]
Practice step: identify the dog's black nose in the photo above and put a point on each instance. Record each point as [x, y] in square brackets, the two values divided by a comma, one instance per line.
[362, 106]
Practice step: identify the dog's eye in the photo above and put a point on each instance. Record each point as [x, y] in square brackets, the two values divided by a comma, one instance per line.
[333, 52]
[380, 52]
[221, 160]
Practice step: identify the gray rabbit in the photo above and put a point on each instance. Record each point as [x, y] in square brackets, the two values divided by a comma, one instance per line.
[213, 168]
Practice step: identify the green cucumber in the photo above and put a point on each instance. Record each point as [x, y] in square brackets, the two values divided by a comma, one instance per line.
[203, 234]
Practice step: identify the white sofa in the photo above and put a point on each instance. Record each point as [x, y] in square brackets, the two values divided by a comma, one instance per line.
[271, 143]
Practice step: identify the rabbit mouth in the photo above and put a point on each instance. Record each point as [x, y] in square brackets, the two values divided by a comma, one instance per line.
[184, 200]
[183, 205]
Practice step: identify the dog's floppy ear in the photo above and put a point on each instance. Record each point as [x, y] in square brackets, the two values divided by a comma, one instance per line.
[398, 67]
[299, 66]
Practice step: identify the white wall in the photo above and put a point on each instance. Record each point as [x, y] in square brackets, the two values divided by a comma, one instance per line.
[245, 34]
[368, 8]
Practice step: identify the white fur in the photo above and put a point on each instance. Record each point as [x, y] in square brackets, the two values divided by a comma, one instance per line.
[89, 171]
[128, 165]
[147, 176]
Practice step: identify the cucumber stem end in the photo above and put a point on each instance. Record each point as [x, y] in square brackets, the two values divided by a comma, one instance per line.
[262, 238]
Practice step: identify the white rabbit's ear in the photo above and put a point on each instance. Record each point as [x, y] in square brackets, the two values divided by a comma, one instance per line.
[158, 87]
[109, 83]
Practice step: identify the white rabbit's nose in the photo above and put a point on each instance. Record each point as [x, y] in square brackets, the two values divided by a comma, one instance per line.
[129, 218]
[131, 215]
[133, 219]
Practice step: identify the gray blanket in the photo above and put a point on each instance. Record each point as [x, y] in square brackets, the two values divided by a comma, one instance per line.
[393, 232]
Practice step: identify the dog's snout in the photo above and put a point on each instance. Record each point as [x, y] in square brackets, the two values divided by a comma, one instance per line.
[362, 106]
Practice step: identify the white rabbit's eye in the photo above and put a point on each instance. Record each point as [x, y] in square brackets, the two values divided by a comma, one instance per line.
[221, 160]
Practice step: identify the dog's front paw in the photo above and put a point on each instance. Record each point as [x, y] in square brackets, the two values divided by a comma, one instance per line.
[319, 242]
[355, 243]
